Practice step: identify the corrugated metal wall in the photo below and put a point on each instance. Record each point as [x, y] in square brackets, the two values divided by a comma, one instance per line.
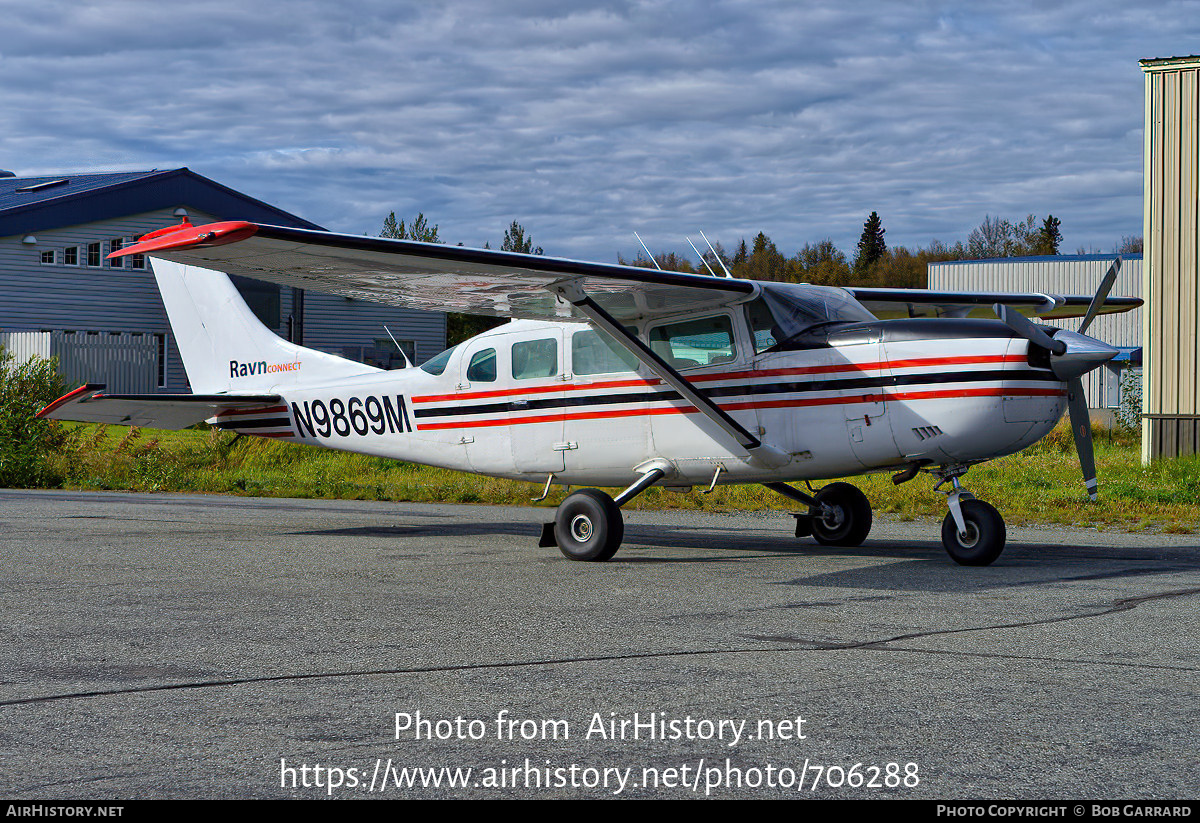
[26, 344]
[1068, 274]
[125, 363]
[1171, 385]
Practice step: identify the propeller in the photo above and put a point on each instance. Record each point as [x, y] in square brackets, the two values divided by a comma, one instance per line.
[1072, 355]
[1106, 284]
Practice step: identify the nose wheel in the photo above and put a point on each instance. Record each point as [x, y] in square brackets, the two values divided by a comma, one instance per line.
[973, 531]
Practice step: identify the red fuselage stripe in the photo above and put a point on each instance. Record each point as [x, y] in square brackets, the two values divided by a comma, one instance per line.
[770, 404]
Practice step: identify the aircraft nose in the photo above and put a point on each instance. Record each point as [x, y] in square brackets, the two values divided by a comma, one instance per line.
[1082, 355]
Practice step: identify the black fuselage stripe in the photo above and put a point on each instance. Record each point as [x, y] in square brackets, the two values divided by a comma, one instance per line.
[279, 422]
[743, 390]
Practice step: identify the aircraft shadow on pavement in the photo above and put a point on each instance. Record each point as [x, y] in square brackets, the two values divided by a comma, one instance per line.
[924, 564]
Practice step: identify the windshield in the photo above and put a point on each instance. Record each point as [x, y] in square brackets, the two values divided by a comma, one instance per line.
[795, 308]
[437, 365]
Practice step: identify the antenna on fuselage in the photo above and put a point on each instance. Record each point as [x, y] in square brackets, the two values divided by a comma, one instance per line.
[719, 260]
[648, 254]
[407, 362]
[703, 262]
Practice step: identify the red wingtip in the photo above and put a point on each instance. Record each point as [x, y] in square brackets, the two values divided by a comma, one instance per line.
[185, 235]
[69, 396]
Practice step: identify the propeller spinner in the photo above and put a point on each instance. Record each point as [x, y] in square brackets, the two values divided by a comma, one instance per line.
[1072, 355]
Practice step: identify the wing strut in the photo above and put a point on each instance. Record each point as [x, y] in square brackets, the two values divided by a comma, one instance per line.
[760, 453]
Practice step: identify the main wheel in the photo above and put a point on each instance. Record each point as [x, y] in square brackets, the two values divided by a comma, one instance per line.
[848, 521]
[985, 535]
[588, 526]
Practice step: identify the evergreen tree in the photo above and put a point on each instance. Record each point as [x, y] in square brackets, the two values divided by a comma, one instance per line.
[515, 240]
[418, 230]
[1048, 236]
[871, 246]
[766, 262]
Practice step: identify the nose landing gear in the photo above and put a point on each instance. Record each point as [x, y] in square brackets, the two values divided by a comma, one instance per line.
[973, 531]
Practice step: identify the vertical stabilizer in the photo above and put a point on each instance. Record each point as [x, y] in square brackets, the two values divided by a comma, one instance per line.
[225, 348]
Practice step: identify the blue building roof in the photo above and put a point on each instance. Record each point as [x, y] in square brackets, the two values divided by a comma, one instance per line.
[30, 204]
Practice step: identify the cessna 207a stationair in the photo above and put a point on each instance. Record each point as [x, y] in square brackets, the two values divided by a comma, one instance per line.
[629, 377]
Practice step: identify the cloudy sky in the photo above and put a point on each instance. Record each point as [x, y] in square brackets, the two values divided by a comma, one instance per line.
[586, 121]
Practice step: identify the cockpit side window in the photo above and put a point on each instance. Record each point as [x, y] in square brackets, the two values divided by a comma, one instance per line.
[762, 326]
[535, 358]
[692, 343]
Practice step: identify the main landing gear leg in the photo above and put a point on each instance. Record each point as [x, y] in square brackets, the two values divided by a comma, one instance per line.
[588, 523]
[839, 514]
[973, 531]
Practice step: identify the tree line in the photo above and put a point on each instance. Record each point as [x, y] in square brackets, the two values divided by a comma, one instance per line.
[822, 263]
[875, 263]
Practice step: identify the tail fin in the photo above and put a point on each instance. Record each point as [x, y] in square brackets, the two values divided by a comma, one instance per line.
[224, 346]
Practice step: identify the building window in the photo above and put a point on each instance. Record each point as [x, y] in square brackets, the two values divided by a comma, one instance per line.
[137, 261]
[93, 255]
[48, 258]
[71, 256]
[115, 245]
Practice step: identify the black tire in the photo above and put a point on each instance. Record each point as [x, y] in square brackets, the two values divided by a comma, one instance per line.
[985, 534]
[850, 521]
[588, 526]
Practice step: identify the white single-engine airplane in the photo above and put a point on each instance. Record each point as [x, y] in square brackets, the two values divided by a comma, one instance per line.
[630, 377]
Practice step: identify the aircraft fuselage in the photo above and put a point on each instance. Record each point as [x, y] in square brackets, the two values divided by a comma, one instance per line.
[531, 398]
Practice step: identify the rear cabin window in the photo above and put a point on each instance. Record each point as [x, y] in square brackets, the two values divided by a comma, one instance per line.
[705, 342]
[437, 364]
[535, 358]
[483, 367]
[596, 353]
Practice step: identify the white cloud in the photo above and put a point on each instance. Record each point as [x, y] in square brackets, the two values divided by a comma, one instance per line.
[587, 120]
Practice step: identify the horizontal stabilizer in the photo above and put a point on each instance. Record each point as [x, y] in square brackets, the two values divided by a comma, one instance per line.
[89, 404]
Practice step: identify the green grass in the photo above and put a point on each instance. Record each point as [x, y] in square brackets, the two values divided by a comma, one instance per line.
[1042, 484]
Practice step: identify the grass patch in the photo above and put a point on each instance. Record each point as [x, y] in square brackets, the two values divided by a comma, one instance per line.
[1042, 484]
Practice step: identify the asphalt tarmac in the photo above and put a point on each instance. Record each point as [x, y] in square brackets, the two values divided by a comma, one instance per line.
[195, 646]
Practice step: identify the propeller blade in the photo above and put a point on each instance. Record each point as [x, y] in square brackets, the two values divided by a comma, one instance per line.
[1081, 427]
[1022, 326]
[1097, 303]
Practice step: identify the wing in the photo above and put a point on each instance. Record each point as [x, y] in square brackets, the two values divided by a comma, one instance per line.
[436, 277]
[89, 404]
[891, 303]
